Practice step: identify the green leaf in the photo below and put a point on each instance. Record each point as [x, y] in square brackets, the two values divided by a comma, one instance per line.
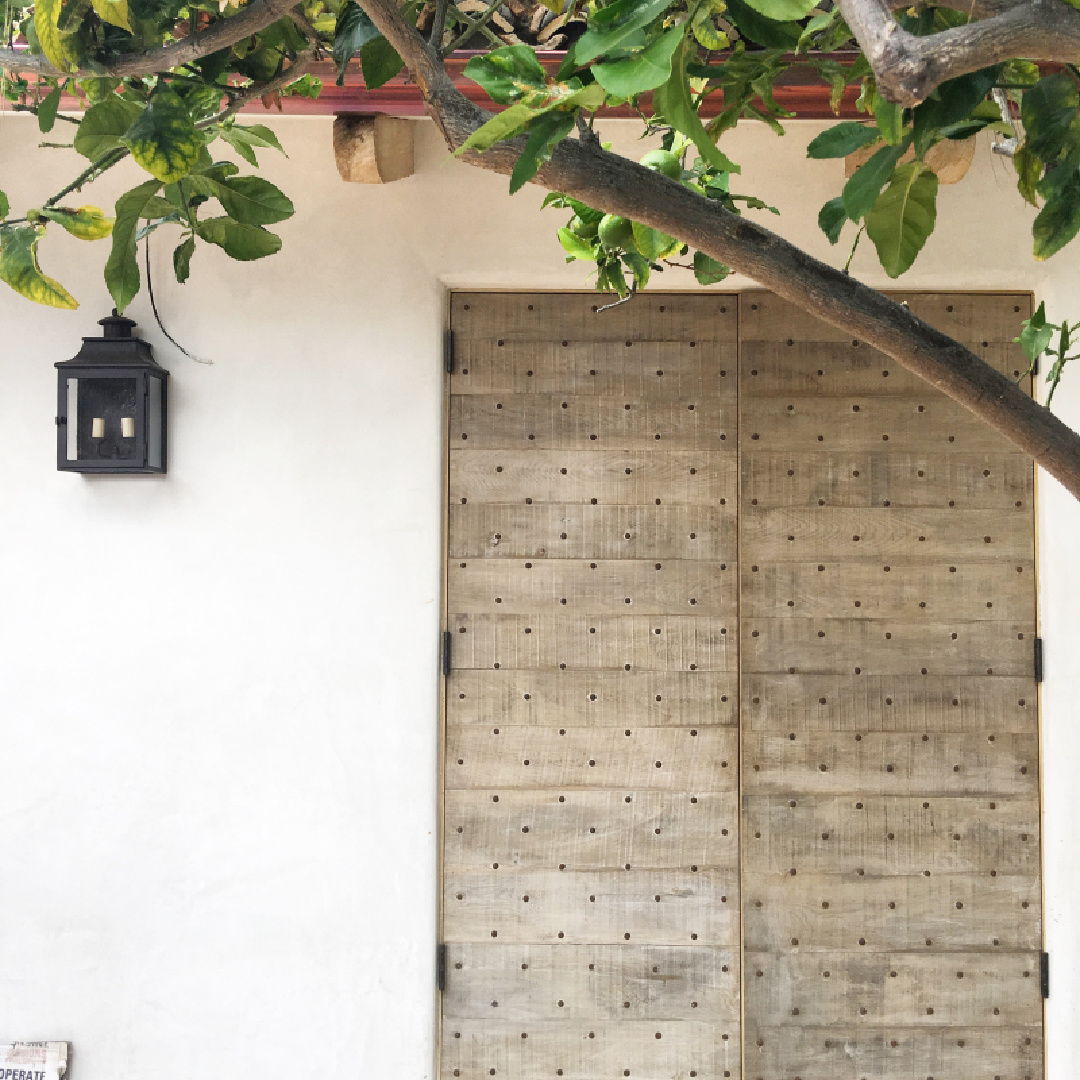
[1029, 170]
[104, 126]
[46, 116]
[951, 103]
[181, 259]
[763, 31]
[783, 10]
[87, 222]
[841, 140]
[646, 71]
[903, 217]
[1035, 338]
[122, 269]
[352, 32]
[380, 62]
[576, 247]
[251, 200]
[704, 29]
[1059, 220]
[831, 218]
[19, 268]
[544, 134]
[504, 125]
[890, 119]
[507, 74]
[241, 242]
[862, 189]
[610, 26]
[707, 270]
[1049, 112]
[652, 243]
[60, 49]
[114, 12]
[163, 140]
[5, 206]
[674, 102]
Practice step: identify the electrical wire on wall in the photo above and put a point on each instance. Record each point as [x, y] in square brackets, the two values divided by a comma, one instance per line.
[154, 308]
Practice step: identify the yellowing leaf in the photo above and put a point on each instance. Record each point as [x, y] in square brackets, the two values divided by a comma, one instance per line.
[114, 12]
[163, 139]
[61, 50]
[19, 269]
[87, 222]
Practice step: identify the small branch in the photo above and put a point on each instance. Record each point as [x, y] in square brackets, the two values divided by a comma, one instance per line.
[219, 35]
[908, 68]
[105, 162]
[16, 107]
[438, 23]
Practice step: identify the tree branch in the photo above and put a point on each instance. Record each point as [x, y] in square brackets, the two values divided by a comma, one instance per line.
[220, 35]
[619, 186]
[907, 67]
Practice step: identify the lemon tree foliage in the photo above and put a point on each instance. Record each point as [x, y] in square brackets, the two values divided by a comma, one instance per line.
[692, 70]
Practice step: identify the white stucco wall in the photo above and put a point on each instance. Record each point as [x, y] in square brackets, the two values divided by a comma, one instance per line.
[218, 690]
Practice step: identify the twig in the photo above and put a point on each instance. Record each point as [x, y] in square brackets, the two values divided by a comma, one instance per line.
[303, 61]
[851, 254]
[106, 161]
[438, 23]
[16, 107]
[625, 300]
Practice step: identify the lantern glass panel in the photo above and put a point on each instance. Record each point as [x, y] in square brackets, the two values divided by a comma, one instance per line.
[154, 441]
[103, 407]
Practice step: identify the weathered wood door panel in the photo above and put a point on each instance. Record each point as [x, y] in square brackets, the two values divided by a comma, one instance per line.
[590, 862]
[890, 806]
[741, 725]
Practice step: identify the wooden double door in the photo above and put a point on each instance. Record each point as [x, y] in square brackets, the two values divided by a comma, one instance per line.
[741, 769]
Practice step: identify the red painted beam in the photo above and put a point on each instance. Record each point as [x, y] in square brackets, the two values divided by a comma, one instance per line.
[799, 90]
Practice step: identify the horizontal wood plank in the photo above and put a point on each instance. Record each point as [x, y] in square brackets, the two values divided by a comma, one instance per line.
[632, 370]
[573, 641]
[891, 835]
[890, 763]
[632, 477]
[547, 316]
[940, 913]
[880, 478]
[667, 759]
[581, 422]
[590, 830]
[586, 1049]
[927, 990]
[886, 647]
[511, 586]
[921, 591]
[592, 982]
[592, 908]
[572, 531]
[592, 698]
[893, 702]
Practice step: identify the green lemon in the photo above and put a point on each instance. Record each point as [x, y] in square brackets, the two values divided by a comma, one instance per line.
[584, 229]
[616, 232]
[663, 161]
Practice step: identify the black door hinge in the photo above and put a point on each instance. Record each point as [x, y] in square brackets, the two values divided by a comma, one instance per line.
[448, 351]
[1044, 973]
[440, 967]
[446, 640]
[1038, 660]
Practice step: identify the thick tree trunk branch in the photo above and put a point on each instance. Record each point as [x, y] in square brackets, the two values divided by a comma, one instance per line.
[907, 67]
[614, 184]
[219, 35]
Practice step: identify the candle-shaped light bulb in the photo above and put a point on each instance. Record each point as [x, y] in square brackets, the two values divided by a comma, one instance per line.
[97, 428]
[127, 427]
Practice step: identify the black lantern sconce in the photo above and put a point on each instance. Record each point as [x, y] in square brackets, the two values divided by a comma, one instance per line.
[111, 405]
